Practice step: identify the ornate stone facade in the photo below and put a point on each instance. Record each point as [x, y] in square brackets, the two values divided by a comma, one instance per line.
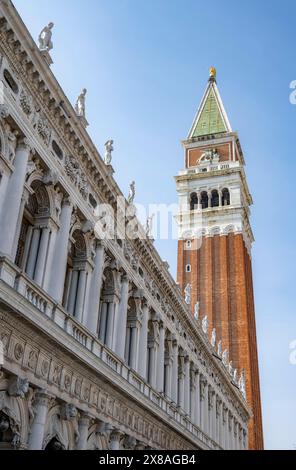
[100, 349]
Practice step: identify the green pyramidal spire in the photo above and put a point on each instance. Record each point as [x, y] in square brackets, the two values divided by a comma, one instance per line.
[211, 117]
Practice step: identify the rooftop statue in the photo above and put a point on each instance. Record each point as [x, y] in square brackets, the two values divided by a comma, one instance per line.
[80, 103]
[132, 192]
[44, 38]
[108, 152]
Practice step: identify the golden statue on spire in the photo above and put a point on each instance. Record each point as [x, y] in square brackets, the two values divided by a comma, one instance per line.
[212, 73]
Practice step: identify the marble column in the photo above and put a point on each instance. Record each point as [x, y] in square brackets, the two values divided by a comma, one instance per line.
[181, 380]
[204, 405]
[174, 386]
[103, 321]
[56, 281]
[13, 198]
[192, 394]
[41, 405]
[94, 293]
[122, 318]
[187, 385]
[220, 198]
[206, 409]
[83, 427]
[33, 252]
[160, 359]
[210, 198]
[214, 418]
[197, 400]
[24, 201]
[110, 323]
[168, 376]
[152, 363]
[225, 427]
[80, 297]
[4, 179]
[143, 342]
[134, 345]
[72, 292]
[42, 255]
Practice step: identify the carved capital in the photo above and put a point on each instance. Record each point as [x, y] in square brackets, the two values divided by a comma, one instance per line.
[24, 144]
[43, 398]
[85, 419]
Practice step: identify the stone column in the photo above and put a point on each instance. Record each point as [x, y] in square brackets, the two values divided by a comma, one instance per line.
[110, 324]
[31, 263]
[160, 359]
[192, 394]
[209, 198]
[218, 421]
[24, 201]
[115, 438]
[199, 201]
[56, 282]
[206, 409]
[225, 427]
[134, 345]
[174, 386]
[220, 198]
[80, 297]
[94, 293]
[122, 318]
[72, 293]
[83, 426]
[210, 411]
[187, 385]
[13, 197]
[41, 405]
[42, 254]
[4, 177]
[181, 381]
[197, 400]
[214, 418]
[168, 376]
[152, 364]
[204, 406]
[103, 321]
[143, 342]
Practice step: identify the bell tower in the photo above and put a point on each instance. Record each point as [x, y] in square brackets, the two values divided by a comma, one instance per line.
[214, 248]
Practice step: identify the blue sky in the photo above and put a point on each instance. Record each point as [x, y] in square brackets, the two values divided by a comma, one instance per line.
[145, 65]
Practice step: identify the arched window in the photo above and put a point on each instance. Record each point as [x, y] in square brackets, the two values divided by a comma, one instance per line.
[204, 200]
[215, 198]
[225, 197]
[193, 201]
[35, 235]
[188, 268]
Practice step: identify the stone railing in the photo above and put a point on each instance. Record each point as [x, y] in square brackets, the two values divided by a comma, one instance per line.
[208, 168]
[18, 281]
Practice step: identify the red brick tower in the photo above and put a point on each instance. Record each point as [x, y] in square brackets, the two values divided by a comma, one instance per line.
[214, 250]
